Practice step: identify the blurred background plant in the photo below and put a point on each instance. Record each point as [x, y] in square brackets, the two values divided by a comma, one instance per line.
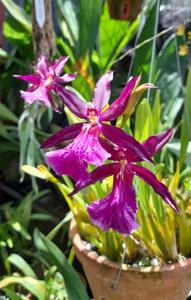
[95, 41]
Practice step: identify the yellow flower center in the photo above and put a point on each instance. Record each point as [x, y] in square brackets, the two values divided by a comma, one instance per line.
[92, 115]
[49, 80]
[93, 119]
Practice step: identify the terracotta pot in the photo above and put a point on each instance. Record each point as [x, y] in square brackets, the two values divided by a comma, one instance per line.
[169, 282]
[124, 9]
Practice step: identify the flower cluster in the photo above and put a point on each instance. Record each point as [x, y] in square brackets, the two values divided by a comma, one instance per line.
[95, 140]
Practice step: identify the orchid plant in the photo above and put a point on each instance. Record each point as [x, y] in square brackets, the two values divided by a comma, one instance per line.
[104, 158]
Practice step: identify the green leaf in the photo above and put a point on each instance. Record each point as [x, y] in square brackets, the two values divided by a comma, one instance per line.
[65, 47]
[6, 114]
[23, 211]
[186, 120]
[18, 13]
[185, 156]
[3, 53]
[53, 255]
[30, 170]
[36, 287]
[21, 264]
[23, 132]
[11, 294]
[55, 230]
[19, 228]
[15, 33]
[31, 152]
[169, 81]
[143, 55]
[42, 217]
[143, 121]
[83, 87]
[156, 113]
[4, 133]
[184, 233]
[68, 21]
[72, 119]
[114, 35]
[89, 18]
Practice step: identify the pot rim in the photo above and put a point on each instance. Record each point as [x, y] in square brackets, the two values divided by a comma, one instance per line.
[103, 260]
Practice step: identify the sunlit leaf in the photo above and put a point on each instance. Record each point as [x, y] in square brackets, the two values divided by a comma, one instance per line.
[36, 287]
[143, 121]
[18, 13]
[21, 264]
[30, 170]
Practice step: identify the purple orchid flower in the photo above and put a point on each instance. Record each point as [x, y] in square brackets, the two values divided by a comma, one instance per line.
[46, 79]
[118, 209]
[86, 148]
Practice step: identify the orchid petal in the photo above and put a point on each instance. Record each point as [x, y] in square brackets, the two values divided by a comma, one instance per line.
[124, 140]
[119, 105]
[155, 143]
[66, 78]
[42, 66]
[34, 79]
[38, 94]
[66, 134]
[58, 65]
[83, 150]
[102, 91]
[54, 107]
[98, 174]
[110, 148]
[73, 102]
[118, 209]
[116, 151]
[152, 145]
[66, 162]
[157, 186]
[88, 145]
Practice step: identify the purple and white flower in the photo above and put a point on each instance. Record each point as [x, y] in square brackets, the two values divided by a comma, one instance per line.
[118, 209]
[86, 148]
[47, 79]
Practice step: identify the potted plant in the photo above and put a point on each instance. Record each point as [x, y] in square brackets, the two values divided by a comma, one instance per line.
[139, 250]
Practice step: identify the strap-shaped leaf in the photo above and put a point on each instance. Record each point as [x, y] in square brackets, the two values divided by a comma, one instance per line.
[54, 256]
[18, 13]
[36, 287]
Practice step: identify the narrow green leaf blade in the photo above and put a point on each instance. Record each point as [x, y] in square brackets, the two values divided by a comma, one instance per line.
[89, 18]
[54, 256]
[21, 264]
[18, 13]
[11, 294]
[36, 287]
[143, 121]
[186, 120]
[6, 114]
